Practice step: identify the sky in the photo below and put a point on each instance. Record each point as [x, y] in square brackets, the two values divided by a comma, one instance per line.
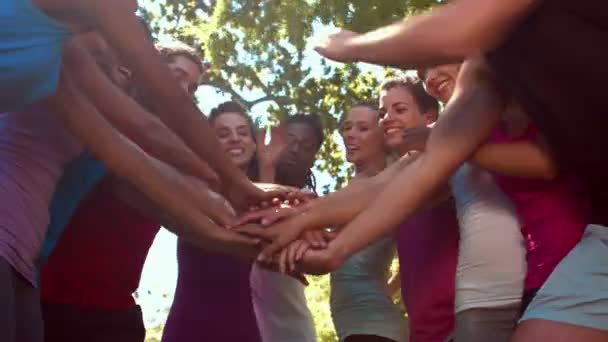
[159, 276]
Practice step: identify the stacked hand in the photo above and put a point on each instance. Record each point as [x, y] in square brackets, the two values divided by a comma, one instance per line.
[286, 247]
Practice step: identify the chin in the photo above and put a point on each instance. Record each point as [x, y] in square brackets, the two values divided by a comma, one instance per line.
[393, 142]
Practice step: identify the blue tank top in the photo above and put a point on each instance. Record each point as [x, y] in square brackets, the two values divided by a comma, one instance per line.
[31, 46]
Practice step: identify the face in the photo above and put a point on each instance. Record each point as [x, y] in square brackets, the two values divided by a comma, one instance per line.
[440, 81]
[234, 134]
[363, 138]
[106, 58]
[186, 72]
[302, 147]
[399, 111]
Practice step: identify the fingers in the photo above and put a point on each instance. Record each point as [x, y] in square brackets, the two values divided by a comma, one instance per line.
[300, 251]
[293, 251]
[254, 232]
[316, 239]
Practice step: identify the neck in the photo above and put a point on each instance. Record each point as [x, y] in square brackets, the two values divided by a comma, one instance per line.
[370, 167]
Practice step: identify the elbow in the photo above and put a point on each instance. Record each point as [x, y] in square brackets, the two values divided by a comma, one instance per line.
[550, 173]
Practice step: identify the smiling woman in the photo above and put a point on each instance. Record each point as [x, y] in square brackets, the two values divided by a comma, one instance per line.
[213, 290]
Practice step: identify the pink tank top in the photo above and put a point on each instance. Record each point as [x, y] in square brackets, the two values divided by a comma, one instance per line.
[428, 251]
[553, 214]
[34, 149]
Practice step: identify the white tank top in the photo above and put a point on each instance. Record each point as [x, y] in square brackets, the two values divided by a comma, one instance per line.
[280, 307]
[491, 260]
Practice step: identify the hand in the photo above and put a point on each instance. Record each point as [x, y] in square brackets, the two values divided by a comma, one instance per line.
[319, 261]
[290, 256]
[414, 139]
[268, 155]
[338, 47]
[242, 193]
[299, 197]
[268, 216]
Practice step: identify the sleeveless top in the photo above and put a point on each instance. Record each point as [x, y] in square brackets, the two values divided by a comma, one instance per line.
[490, 240]
[31, 48]
[553, 214]
[554, 63]
[280, 307]
[34, 150]
[359, 301]
[212, 299]
[428, 250]
[111, 240]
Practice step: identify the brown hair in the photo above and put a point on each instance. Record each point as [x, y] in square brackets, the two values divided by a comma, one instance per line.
[425, 102]
[169, 51]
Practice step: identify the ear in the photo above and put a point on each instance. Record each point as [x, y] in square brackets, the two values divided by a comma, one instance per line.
[431, 116]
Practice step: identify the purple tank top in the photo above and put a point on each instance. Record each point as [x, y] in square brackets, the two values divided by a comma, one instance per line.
[212, 299]
[428, 253]
[34, 149]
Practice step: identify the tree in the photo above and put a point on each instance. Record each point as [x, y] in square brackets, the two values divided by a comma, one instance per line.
[259, 47]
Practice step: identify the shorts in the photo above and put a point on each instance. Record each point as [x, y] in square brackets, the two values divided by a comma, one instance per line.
[577, 291]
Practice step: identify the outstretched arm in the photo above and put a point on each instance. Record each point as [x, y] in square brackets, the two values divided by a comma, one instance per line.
[464, 125]
[117, 22]
[128, 161]
[527, 159]
[130, 118]
[447, 34]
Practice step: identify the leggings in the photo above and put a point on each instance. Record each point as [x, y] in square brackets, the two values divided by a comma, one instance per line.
[20, 315]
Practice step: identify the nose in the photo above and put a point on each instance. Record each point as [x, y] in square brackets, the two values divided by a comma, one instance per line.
[185, 86]
[349, 137]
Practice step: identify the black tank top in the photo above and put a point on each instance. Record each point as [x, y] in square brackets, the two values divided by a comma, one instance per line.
[556, 64]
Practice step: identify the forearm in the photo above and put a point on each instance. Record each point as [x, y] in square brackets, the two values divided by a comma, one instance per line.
[340, 207]
[518, 159]
[121, 156]
[130, 118]
[173, 106]
[447, 34]
[267, 173]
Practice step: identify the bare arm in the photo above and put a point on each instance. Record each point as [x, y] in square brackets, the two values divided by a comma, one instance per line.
[518, 159]
[465, 124]
[131, 119]
[128, 161]
[121, 28]
[447, 34]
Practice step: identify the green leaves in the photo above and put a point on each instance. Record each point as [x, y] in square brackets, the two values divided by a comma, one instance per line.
[260, 52]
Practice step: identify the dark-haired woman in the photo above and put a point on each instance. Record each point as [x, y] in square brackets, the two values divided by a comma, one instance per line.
[213, 297]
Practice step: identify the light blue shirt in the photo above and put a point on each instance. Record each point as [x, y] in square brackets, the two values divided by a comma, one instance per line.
[360, 304]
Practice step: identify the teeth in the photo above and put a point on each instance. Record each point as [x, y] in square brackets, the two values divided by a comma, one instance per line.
[236, 151]
[391, 130]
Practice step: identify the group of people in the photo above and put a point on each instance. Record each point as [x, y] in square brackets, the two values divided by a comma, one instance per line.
[496, 204]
